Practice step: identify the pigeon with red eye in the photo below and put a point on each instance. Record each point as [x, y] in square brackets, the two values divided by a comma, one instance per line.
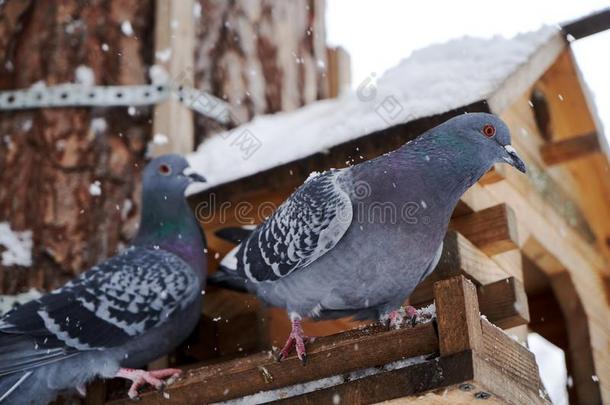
[357, 241]
[124, 312]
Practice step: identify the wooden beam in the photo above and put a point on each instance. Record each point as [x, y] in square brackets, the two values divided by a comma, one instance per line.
[569, 149]
[493, 230]
[504, 303]
[457, 314]
[338, 71]
[588, 25]
[443, 373]
[174, 50]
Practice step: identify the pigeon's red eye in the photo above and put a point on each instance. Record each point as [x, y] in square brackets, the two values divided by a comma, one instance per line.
[489, 130]
[165, 169]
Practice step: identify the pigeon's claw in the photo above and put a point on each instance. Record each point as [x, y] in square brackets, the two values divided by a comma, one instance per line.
[140, 378]
[296, 339]
[411, 314]
[396, 318]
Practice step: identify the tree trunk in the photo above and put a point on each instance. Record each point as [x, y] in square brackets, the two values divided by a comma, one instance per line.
[69, 174]
[260, 56]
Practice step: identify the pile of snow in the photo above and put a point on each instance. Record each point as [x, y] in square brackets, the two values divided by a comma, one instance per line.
[17, 246]
[431, 81]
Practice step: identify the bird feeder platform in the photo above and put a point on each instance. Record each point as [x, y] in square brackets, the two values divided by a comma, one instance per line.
[458, 357]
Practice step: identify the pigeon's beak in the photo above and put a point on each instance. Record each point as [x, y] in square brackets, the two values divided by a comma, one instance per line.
[193, 175]
[196, 182]
[513, 159]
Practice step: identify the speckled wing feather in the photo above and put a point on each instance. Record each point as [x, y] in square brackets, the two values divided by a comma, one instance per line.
[306, 226]
[121, 298]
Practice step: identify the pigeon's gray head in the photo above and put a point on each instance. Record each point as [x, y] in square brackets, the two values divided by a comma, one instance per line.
[169, 175]
[486, 135]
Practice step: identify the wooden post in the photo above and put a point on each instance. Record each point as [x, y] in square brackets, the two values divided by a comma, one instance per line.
[174, 50]
[457, 312]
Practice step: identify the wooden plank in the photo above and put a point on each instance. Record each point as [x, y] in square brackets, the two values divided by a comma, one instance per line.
[514, 375]
[457, 313]
[504, 303]
[338, 71]
[174, 36]
[588, 25]
[569, 149]
[412, 380]
[493, 230]
[327, 356]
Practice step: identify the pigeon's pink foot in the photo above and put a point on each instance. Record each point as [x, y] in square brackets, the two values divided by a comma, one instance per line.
[411, 314]
[140, 378]
[396, 318]
[296, 339]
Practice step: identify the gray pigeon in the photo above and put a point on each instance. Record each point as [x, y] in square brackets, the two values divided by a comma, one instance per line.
[357, 241]
[124, 312]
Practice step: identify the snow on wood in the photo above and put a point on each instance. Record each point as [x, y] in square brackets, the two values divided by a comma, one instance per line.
[17, 246]
[431, 81]
[311, 386]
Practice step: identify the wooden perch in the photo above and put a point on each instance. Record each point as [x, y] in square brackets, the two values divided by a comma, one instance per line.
[493, 230]
[327, 356]
[569, 149]
[477, 361]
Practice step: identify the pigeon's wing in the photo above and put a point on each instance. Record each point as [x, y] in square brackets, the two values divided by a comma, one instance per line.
[113, 302]
[306, 226]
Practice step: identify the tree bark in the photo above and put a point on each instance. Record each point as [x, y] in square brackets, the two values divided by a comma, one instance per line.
[260, 56]
[49, 158]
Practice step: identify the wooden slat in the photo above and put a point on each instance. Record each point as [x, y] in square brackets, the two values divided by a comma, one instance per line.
[174, 36]
[327, 356]
[431, 375]
[569, 149]
[493, 230]
[338, 72]
[457, 313]
[508, 369]
[504, 303]
[588, 25]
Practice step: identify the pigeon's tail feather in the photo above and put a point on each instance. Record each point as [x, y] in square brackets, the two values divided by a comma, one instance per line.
[10, 384]
[228, 278]
[235, 234]
[27, 387]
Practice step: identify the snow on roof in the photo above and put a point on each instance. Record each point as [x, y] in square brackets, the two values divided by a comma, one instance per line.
[430, 81]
